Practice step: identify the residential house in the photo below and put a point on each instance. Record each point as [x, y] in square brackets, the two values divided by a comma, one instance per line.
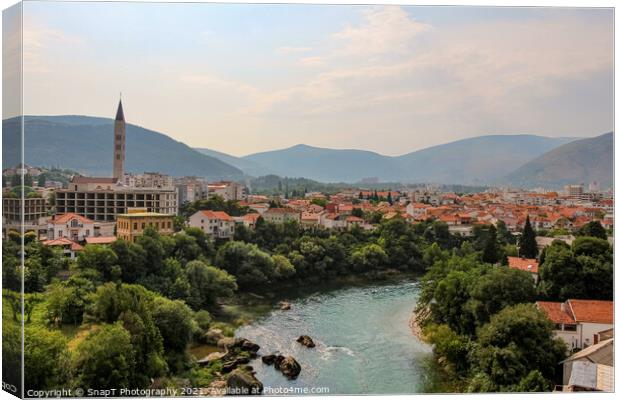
[578, 322]
[70, 225]
[217, 224]
[281, 215]
[68, 246]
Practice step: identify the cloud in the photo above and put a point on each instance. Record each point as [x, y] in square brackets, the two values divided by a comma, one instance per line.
[314, 61]
[385, 29]
[292, 49]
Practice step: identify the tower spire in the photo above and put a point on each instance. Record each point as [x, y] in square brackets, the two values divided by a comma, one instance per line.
[120, 116]
[119, 143]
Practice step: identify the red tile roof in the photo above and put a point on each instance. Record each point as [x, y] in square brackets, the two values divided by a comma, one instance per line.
[523, 264]
[221, 215]
[63, 241]
[65, 218]
[100, 239]
[594, 311]
[555, 313]
[597, 311]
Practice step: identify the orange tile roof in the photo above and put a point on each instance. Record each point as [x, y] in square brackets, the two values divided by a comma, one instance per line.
[100, 239]
[216, 215]
[64, 218]
[555, 313]
[597, 311]
[63, 241]
[523, 264]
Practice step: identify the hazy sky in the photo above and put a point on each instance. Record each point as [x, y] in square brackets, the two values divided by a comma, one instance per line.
[248, 78]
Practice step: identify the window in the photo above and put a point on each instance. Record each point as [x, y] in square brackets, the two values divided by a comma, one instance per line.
[572, 328]
[118, 156]
[143, 225]
[74, 223]
[135, 225]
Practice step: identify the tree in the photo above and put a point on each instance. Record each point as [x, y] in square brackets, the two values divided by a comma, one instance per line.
[496, 289]
[528, 247]
[207, 284]
[46, 359]
[491, 251]
[41, 180]
[503, 235]
[247, 262]
[594, 229]
[67, 301]
[517, 340]
[105, 359]
[174, 319]
[131, 259]
[101, 259]
[369, 257]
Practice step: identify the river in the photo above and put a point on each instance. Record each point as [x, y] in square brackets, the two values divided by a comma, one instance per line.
[364, 344]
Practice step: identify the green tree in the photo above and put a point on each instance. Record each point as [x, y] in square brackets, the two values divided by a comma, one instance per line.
[105, 359]
[131, 258]
[247, 262]
[101, 259]
[519, 339]
[207, 284]
[369, 257]
[46, 359]
[527, 246]
[491, 251]
[594, 229]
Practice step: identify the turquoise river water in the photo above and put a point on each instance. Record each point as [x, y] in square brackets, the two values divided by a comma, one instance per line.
[364, 344]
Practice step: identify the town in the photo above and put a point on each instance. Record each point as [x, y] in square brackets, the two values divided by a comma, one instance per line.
[98, 211]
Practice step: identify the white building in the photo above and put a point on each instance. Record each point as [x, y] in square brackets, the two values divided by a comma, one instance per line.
[228, 190]
[72, 226]
[578, 322]
[216, 224]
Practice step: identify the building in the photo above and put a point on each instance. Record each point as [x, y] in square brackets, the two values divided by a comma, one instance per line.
[281, 215]
[247, 220]
[69, 247]
[131, 225]
[591, 369]
[191, 189]
[228, 190]
[119, 143]
[103, 199]
[579, 322]
[148, 180]
[525, 264]
[70, 225]
[35, 214]
[216, 224]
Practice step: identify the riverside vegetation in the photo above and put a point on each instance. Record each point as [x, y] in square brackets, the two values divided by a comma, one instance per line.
[125, 315]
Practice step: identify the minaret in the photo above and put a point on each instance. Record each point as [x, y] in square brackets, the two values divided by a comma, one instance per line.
[119, 143]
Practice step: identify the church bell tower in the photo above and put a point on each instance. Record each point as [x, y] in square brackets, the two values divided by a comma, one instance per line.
[119, 143]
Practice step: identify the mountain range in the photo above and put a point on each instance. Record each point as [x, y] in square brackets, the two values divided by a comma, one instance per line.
[84, 144]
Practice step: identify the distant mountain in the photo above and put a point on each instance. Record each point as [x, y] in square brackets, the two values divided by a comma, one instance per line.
[85, 144]
[247, 166]
[474, 161]
[327, 165]
[581, 161]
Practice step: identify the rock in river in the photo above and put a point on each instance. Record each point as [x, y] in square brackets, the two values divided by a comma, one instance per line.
[284, 305]
[288, 366]
[244, 382]
[306, 340]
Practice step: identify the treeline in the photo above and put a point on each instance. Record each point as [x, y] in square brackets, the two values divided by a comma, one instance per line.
[482, 320]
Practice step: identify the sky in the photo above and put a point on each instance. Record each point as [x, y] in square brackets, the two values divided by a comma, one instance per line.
[391, 79]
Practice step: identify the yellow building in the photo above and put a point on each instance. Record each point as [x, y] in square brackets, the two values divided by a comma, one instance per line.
[132, 225]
